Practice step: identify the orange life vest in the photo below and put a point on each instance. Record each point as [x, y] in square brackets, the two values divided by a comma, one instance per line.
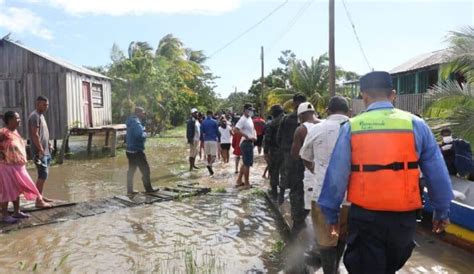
[385, 174]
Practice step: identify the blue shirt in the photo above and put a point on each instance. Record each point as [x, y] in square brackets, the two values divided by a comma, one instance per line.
[430, 159]
[136, 135]
[209, 129]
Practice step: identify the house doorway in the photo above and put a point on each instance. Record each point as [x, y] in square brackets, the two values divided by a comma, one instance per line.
[87, 106]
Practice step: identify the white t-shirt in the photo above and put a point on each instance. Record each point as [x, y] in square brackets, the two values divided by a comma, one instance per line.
[197, 131]
[225, 135]
[245, 125]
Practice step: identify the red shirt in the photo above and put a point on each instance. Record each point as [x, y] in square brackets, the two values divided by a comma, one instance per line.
[259, 125]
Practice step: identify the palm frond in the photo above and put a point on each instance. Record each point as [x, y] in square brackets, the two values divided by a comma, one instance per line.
[444, 99]
[461, 52]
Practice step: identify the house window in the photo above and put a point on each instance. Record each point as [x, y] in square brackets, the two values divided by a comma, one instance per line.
[97, 96]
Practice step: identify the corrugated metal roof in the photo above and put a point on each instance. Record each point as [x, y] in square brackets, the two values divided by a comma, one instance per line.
[61, 62]
[423, 61]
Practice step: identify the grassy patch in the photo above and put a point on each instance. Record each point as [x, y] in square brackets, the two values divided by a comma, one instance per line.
[257, 192]
[219, 190]
[278, 247]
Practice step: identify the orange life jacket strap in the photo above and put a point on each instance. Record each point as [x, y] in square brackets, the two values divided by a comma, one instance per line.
[392, 166]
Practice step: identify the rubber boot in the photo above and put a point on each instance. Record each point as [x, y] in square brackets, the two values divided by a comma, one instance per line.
[191, 164]
[341, 246]
[281, 196]
[193, 161]
[273, 193]
[328, 260]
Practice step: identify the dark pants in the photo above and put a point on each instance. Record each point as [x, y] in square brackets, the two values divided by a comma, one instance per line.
[379, 241]
[296, 176]
[274, 170]
[285, 170]
[138, 159]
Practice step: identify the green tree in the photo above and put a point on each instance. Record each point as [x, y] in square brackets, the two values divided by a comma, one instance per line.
[461, 51]
[450, 100]
[167, 81]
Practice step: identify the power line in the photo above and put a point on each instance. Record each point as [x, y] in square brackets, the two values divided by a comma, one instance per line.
[249, 29]
[304, 7]
[356, 35]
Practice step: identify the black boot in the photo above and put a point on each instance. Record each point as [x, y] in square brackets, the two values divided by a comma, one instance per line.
[194, 163]
[328, 260]
[296, 228]
[341, 245]
[211, 172]
[273, 193]
[191, 164]
[281, 196]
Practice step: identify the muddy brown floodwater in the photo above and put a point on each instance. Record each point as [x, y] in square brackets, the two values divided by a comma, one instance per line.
[233, 232]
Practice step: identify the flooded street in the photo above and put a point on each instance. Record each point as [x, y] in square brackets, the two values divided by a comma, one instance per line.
[213, 233]
[232, 232]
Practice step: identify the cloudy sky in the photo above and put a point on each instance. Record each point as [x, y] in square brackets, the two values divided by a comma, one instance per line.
[83, 31]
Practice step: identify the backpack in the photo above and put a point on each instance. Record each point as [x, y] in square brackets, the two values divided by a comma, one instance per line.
[463, 157]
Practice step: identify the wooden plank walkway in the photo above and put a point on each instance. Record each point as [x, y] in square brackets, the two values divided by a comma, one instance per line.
[65, 211]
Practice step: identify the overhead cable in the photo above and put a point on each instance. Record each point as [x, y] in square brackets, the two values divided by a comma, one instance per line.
[249, 29]
[356, 35]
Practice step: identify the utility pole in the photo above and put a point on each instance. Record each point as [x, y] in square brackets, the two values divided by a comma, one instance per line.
[332, 65]
[262, 81]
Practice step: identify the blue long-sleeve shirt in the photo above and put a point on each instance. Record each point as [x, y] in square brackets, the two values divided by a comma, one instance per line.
[430, 159]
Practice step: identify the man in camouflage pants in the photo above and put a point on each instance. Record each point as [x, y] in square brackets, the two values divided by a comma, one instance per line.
[292, 171]
[272, 152]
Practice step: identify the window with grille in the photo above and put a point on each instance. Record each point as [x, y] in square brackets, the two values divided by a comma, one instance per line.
[97, 96]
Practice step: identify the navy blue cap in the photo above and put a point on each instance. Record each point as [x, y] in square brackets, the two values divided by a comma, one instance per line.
[376, 80]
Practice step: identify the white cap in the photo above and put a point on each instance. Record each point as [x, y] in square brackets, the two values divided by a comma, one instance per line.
[305, 107]
[194, 110]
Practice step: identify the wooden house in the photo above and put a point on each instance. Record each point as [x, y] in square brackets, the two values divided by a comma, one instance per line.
[411, 80]
[78, 97]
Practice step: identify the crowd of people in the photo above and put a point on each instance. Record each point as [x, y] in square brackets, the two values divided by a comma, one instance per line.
[357, 178]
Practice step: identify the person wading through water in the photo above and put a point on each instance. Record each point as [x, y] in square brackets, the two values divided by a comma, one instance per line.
[376, 160]
[41, 148]
[193, 135]
[273, 154]
[135, 138]
[292, 172]
[245, 128]
[307, 118]
[210, 134]
[316, 153]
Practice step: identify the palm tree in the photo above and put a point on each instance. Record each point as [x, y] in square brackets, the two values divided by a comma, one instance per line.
[455, 103]
[308, 79]
[170, 47]
[462, 54]
[451, 100]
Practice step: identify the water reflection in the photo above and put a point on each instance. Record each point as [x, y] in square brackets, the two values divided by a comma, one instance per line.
[88, 179]
[224, 234]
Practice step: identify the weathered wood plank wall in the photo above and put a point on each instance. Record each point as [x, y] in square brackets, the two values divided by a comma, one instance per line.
[413, 103]
[25, 75]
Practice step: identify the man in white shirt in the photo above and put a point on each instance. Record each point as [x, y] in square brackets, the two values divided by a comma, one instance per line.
[316, 153]
[246, 128]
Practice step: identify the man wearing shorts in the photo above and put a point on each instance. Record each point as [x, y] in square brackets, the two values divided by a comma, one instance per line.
[246, 128]
[193, 135]
[40, 147]
[259, 124]
[210, 134]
